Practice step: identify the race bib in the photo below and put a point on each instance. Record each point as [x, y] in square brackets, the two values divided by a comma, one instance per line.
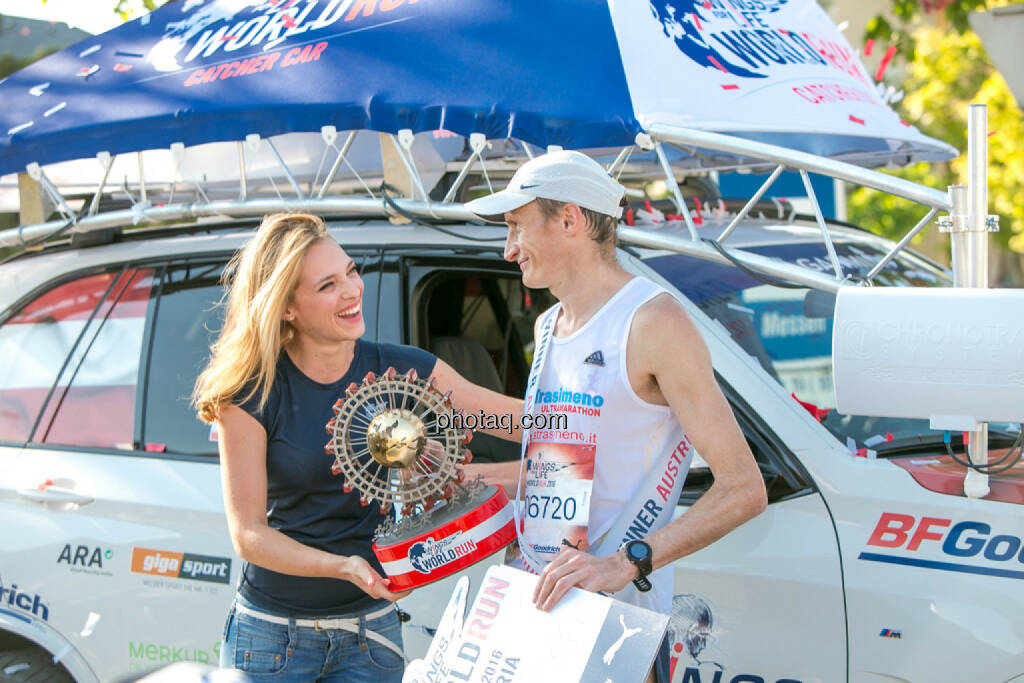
[559, 480]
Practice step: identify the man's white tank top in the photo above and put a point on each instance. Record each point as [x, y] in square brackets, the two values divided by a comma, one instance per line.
[608, 425]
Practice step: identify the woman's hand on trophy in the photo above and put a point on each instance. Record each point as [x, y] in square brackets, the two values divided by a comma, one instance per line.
[358, 571]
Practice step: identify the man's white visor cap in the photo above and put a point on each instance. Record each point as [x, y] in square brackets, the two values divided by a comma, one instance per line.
[570, 177]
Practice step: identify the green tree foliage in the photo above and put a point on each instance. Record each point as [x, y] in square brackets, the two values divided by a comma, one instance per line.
[9, 63]
[125, 11]
[949, 70]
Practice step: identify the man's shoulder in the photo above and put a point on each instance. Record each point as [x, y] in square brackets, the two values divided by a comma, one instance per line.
[660, 310]
[662, 328]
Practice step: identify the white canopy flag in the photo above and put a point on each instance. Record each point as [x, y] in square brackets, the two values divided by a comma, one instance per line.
[744, 66]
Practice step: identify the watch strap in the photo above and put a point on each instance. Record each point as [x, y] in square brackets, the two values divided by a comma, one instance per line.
[642, 584]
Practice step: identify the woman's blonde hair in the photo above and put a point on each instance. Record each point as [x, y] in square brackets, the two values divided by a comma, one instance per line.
[259, 281]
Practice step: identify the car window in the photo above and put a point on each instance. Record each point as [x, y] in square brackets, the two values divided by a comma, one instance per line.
[186, 322]
[478, 317]
[72, 362]
[783, 475]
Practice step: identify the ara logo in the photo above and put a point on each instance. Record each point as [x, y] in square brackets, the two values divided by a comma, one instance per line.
[596, 358]
[86, 559]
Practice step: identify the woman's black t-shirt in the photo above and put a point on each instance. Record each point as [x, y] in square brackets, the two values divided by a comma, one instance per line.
[304, 500]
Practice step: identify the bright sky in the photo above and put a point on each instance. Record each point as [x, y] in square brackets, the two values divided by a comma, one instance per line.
[94, 16]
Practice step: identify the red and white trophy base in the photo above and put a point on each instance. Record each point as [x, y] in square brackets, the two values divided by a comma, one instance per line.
[459, 535]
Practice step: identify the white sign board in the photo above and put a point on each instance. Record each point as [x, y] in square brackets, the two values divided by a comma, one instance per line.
[504, 637]
[954, 356]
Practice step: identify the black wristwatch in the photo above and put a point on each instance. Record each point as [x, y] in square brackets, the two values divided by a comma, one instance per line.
[639, 553]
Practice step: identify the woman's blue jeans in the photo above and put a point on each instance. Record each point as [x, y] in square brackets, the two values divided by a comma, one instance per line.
[288, 652]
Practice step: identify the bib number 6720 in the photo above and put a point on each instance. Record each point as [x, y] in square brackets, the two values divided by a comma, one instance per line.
[551, 507]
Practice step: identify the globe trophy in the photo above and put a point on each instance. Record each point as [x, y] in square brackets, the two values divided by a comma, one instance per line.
[389, 444]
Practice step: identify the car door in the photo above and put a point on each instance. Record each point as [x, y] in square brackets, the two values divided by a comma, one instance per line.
[765, 602]
[118, 537]
[117, 519]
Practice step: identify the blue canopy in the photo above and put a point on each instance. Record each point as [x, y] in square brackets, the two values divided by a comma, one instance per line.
[548, 73]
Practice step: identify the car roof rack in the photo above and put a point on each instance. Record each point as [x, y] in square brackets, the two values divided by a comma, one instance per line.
[654, 156]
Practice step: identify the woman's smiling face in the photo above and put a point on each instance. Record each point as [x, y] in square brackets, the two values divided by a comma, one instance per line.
[327, 302]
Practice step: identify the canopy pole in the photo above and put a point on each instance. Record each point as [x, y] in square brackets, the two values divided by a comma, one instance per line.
[794, 159]
[287, 171]
[900, 245]
[670, 178]
[142, 178]
[342, 206]
[477, 142]
[405, 136]
[337, 164]
[450, 195]
[107, 161]
[178, 155]
[243, 186]
[829, 247]
[673, 240]
[750, 204]
[973, 264]
[618, 160]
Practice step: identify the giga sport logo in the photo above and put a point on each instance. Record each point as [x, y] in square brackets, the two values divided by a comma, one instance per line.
[992, 552]
[181, 565]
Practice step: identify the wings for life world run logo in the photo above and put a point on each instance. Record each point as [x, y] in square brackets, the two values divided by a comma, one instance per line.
[429, 555]
[738, 38]
[214, 31]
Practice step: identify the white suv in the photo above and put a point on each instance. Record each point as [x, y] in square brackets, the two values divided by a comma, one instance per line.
[116, 556]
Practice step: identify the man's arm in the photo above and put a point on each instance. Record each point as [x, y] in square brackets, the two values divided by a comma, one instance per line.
[669, 363]
[473, 398]
[663, 330]
[503, 474]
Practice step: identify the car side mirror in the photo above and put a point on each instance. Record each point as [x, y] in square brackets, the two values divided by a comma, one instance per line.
[819, 304]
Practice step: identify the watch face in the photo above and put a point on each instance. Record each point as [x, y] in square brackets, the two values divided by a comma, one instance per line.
[637, 551]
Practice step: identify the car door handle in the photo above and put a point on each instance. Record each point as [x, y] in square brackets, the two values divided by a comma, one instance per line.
[48, 492]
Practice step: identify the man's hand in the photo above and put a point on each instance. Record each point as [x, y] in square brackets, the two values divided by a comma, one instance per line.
[573, 567]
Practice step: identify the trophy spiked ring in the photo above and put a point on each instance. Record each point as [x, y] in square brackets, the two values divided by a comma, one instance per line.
[389, 445]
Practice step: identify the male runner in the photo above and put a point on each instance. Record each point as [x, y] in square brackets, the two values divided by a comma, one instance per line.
[621, 357]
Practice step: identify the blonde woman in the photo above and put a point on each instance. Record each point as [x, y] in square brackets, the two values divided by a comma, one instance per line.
[312, 603]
